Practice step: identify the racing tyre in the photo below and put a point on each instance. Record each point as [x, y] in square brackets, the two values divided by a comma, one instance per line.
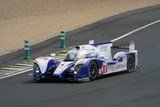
[130, 64]
[93, 70]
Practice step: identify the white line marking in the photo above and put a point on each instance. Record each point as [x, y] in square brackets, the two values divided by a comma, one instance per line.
[20, 72]
[133, 31]
[14, 74]
[127, 34]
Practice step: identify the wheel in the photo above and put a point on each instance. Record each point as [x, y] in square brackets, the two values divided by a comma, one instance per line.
[130, 64]
[36, 80]
[93, 70]
[36, 73]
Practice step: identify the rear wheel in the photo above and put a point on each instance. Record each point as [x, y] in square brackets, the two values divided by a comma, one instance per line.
[130, 64]
[93, 70]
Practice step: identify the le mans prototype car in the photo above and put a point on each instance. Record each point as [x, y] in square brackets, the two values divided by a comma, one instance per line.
[87, 62]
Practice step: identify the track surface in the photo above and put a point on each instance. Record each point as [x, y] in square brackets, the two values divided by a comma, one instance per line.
[138, 89]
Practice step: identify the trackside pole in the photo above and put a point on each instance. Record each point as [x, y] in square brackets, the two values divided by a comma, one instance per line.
[26, 50]
[63, 39]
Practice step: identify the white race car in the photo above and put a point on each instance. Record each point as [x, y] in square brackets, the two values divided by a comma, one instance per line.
[87, 62]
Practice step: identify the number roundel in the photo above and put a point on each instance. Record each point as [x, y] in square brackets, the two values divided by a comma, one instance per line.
[104, 69]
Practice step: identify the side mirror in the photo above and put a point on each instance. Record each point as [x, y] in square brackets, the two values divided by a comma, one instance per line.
[52, 54]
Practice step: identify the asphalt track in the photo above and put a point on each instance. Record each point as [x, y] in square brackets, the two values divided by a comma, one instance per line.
[138, 89]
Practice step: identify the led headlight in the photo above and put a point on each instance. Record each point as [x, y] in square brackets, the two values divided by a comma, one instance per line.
[72, 69]
[78, 67]
[37, 71]
[36, 68]
[75, 72]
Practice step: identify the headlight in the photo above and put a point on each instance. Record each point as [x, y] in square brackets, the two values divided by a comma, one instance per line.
[78, 67]
[37, 71]
[36, 68]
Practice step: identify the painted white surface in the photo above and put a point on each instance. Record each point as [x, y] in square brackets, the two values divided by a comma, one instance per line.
[61, 67]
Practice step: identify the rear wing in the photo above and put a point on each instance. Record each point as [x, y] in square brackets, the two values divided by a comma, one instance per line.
[105, 48]
[120, 47]
[131, 46]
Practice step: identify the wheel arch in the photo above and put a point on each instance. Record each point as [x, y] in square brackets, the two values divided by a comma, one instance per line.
[45, 63]
[98, 62]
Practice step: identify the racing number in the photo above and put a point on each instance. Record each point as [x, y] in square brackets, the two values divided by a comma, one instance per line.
[104, 69]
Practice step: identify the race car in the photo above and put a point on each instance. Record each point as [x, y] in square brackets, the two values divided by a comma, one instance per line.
[87, 62]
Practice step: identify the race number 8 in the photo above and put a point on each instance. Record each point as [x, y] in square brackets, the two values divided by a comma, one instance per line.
[104, 69]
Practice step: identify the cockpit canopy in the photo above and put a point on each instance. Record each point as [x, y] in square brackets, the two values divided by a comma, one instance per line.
[80, 54]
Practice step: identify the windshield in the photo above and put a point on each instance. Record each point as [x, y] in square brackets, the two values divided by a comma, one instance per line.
[71, 55]
[76, 55]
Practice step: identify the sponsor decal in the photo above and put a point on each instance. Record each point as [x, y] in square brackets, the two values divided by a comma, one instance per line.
[103, 48]
[119, 66]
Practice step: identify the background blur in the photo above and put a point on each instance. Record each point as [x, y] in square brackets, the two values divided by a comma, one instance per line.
[38, 20]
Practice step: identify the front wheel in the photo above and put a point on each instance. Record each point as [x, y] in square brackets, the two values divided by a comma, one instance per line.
[93, 70]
